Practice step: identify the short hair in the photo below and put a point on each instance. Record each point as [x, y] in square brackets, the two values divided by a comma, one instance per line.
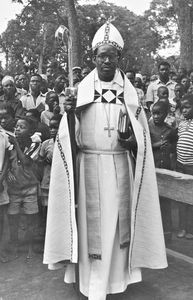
[163, 87]
[48, 95]
[57, 118]
[36, 75]
[163, 63]
[161, 105]
[8, 108]
[31, 123]
[180, 85]
[35, 113]
[131, 71]
[187, 97]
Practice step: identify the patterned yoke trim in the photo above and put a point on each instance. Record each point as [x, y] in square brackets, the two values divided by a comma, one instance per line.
[69, 187]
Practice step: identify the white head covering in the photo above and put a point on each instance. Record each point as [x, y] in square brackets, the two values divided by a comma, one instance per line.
[7, 78]
[139, 76]
[108, 34]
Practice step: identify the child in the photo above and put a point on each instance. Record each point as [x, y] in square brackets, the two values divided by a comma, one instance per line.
[52, 102]
[4, 199]
[163, 92]
[22, 187]
[42, 128]
[185, 162]
[45, 156]
[163, 139]
[7, 123]
[179, 92]
[7, 118]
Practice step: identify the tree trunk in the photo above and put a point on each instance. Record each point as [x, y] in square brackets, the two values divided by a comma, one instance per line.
[41, 57]
[184, 16]
[74, 32]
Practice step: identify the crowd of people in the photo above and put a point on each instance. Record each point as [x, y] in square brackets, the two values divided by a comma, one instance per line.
[31, 110]
[166, 97]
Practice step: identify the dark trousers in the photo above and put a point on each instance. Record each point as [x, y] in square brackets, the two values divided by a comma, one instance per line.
[185, 210]
[165, 205]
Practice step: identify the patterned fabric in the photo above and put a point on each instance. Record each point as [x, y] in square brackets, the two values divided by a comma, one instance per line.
[109, 96]
[108, 34]
[185, 142]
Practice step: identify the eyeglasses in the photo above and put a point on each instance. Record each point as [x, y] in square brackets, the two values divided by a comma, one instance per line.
[103, 57]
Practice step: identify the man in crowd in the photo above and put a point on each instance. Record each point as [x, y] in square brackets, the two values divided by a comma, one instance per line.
[164, 79]
[119, 222]
[59, 87]
[11, 96]
[34, 98]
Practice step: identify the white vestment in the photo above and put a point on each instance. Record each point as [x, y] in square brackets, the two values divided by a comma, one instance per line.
[118, 266]
[111, 273]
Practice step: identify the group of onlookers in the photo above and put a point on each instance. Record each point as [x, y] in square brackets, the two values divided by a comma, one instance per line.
[168, 102]
[30, 114]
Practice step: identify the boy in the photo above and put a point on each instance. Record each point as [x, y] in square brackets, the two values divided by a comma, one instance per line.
[45, 156]
[52, 102]
[7, 118]
[185, 162]
[22, 187]
[162, 92]
[163, 139]
[4, 199]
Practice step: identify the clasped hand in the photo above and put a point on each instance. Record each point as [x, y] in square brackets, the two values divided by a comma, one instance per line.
[70, 103]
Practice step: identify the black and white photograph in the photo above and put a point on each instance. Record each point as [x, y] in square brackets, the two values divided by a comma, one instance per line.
[96, 150]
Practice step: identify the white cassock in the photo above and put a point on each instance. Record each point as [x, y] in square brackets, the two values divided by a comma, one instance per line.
[97, 136]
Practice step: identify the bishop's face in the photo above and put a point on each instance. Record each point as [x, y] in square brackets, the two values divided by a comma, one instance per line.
[106, 61]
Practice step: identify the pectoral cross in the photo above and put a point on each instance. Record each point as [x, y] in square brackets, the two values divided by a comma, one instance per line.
[109, 128]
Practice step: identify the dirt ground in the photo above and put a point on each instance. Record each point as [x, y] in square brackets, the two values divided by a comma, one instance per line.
[20, 280]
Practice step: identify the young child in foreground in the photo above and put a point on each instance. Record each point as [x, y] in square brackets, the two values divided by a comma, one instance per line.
[45, 156]
[163, 138]
[7, 123]
[22, 185]
[185, 162]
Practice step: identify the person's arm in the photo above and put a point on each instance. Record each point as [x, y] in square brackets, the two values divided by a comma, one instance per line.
[149, 99]
[24, 159]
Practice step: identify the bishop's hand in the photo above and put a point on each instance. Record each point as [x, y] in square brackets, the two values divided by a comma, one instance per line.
[70, 99]
[129, 143]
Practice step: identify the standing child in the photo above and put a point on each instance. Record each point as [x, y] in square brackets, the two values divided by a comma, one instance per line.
[163, 139]
[22, 187]
[4, 199]
[7, 123]
[52, 102]
[45, 156]
[185, 162]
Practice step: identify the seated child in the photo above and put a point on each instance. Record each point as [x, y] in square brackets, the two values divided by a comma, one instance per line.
[52, 102]
[22, 186]
[163, 139]
[185, 162]
[45, 156]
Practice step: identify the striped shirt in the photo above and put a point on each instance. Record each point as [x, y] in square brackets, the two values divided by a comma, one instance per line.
[185, 142]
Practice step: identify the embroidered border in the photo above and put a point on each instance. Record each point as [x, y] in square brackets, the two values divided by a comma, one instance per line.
[69, 188]
[138, 112]
[140, 185]
[112, 43]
